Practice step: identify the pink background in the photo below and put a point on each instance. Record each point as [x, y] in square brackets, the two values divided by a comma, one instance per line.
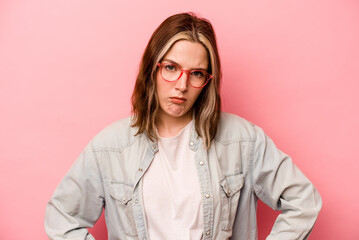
[67, 69]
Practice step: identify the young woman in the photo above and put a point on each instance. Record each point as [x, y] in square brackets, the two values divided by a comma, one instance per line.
[179, 168]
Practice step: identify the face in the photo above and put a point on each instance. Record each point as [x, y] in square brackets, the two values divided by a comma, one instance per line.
[177, 98]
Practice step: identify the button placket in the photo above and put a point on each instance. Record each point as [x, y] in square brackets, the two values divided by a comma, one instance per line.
[195, 144]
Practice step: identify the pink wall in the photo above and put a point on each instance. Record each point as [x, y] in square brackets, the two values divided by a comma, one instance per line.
[67, 69]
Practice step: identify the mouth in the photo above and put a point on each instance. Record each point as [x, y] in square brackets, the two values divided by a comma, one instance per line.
[178, 100]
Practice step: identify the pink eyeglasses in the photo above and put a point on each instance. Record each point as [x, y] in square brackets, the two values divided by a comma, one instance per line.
[171, 72]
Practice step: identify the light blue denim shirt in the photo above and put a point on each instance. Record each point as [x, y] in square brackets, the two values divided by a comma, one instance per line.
[241, 165]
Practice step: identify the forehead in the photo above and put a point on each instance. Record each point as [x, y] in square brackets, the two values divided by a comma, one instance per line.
[188, 54]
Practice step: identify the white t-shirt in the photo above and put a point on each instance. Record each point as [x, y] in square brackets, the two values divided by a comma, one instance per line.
[171, 191]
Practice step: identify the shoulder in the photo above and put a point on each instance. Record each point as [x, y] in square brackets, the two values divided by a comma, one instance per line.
[117, 135]
[232, 127]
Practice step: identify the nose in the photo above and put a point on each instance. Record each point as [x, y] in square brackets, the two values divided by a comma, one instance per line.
[182, 83]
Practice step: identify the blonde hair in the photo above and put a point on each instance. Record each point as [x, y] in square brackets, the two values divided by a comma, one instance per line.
[207, 108]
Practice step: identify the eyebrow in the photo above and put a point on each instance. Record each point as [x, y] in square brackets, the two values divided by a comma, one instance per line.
[171, 61]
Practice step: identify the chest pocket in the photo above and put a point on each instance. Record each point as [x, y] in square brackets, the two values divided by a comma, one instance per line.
[122, 194]
[230, 193]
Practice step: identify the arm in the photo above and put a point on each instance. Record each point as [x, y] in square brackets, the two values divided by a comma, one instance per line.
[282, 186]
[77, 202]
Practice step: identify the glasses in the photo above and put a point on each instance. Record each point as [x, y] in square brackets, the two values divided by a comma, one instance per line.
[171, 72]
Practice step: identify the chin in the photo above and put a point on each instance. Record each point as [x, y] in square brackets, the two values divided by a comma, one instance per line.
[179, 114]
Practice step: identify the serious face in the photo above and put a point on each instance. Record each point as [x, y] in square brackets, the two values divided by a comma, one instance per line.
[176, 98]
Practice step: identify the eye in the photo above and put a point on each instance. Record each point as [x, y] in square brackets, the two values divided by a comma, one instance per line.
[198, 74]
[170, 67]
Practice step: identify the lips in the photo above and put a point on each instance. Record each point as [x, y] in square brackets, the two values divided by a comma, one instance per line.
[178, 100]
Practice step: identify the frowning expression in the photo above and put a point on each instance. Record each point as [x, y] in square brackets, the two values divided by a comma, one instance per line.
[176, 98]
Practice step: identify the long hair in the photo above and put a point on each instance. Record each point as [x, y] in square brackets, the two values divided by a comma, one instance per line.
[145, 104]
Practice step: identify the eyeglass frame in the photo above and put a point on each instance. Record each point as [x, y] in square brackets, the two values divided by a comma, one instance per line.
[209, 76]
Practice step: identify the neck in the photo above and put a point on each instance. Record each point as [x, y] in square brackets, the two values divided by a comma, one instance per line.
[168, 126]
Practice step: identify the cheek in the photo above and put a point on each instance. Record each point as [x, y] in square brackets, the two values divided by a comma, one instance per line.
[195, 94]
[162, 88]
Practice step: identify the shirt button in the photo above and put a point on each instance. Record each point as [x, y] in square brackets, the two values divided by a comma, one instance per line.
[136, 201]
[154, 147]
[123, 199]
[191, 143]
[201, 163]
[208, 232]
[140, 169]
[207, 195]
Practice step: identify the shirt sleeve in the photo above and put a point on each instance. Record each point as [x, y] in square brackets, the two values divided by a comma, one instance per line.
[282, 186]
[77, 202]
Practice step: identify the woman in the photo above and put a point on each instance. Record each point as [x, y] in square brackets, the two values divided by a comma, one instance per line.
[179, 168]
